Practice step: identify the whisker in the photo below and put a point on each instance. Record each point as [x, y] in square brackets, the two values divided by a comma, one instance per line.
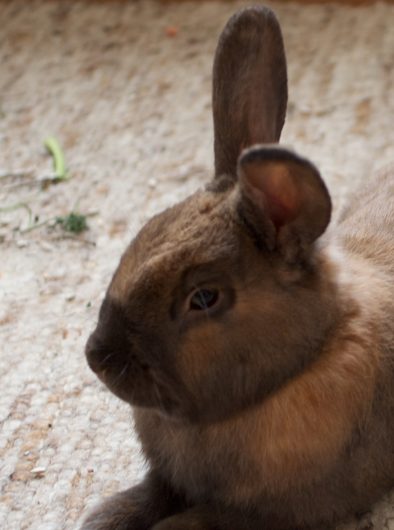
[123, 371]
[106, 358]
[157, 393]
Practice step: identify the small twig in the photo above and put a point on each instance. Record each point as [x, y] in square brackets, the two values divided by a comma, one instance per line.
[74, 238]
[32, 227]
[42, 181]
[16, 174]
[17, 206]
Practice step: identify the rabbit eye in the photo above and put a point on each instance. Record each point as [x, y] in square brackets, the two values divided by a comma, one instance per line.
[203, 299]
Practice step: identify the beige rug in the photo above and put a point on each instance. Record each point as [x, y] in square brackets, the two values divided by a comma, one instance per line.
[125, 87]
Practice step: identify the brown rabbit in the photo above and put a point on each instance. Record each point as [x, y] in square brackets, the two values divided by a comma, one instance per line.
[257, 352]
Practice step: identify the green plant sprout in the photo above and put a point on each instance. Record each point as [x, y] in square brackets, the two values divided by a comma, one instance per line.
[59, 163]
[73, 222]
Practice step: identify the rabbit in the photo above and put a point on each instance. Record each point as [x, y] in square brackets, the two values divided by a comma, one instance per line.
[253, 339]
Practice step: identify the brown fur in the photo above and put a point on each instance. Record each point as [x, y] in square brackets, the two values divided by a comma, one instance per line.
[272, 408]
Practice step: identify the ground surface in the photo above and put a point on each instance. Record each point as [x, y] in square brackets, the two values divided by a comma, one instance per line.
[130, 103]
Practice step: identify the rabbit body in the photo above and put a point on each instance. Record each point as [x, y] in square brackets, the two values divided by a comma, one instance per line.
[322, 446]
[255, 344]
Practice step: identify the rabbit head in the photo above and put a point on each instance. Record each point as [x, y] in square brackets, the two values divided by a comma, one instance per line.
[221, 298]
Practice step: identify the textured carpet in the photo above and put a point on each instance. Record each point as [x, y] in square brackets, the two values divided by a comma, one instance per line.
[125, 87]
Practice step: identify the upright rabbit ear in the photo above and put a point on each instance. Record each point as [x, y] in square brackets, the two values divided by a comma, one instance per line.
[249, 86]
[283, 200]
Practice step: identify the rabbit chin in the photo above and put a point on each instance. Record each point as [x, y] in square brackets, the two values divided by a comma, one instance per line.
[142, 391]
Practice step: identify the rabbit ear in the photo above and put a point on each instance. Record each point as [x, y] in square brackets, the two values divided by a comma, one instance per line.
[249, 86]
[284, 198]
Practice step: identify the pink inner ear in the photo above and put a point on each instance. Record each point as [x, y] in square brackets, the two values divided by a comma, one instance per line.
[277, 190]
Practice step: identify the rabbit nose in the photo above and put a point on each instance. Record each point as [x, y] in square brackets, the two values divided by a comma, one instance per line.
[96, 354]
[108, 345]
[105, 352]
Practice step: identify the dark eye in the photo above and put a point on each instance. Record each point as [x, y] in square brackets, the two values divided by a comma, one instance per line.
[203, 299]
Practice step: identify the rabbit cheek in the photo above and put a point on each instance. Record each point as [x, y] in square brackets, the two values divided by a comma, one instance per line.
[209, 372]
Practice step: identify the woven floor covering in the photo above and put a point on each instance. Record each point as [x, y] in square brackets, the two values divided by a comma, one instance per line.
[125, 88]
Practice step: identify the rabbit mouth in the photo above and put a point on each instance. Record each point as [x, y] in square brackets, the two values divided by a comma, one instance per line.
[126, 381]
[140, 385]
[131, 378]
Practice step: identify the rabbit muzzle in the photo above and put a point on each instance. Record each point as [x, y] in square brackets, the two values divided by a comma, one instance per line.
[130, 363]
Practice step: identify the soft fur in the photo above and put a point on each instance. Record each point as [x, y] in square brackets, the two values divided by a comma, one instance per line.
[271, 409]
